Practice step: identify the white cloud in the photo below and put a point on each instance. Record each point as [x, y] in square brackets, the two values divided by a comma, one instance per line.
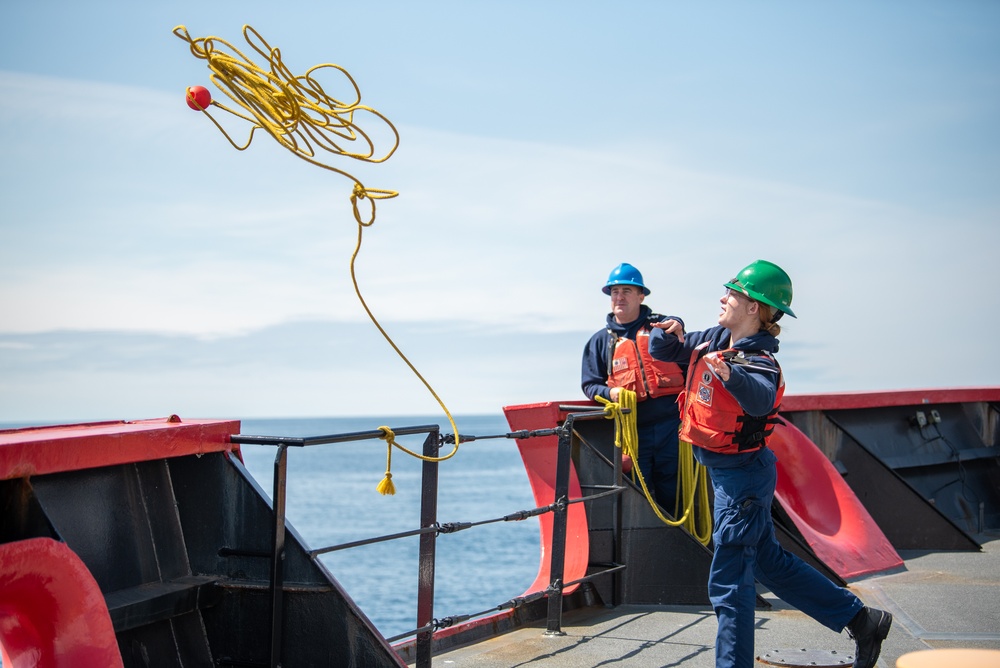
[125, 211]
[301, 369]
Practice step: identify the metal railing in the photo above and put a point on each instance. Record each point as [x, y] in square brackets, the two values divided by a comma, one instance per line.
[430, 528]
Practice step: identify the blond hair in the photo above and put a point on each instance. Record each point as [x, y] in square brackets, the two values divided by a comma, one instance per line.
[767, 319]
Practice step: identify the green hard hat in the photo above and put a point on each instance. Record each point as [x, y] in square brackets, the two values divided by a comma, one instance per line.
[765, 282]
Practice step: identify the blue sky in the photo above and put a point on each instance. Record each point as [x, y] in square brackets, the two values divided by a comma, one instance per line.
[148, 268]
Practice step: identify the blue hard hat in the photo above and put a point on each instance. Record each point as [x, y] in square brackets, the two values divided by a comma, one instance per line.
[625, 274]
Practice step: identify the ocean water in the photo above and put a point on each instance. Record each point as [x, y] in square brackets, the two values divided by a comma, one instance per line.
[331, 498]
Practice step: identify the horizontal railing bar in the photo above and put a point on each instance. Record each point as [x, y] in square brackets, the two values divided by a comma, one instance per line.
[371, 434]
[454, 527]
[576, 413]
[302, 441]
[441, 528]
[369, 541]
[520, 434]
[445, 622]
[590, 497]
[589, 412]
[591, 576]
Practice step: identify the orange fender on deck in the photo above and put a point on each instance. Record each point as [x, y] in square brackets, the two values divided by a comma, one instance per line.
[825, 510]
[52, 612]
[539, 456]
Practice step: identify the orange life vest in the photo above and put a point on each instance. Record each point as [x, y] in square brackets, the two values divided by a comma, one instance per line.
[631, 367]
[711, 418]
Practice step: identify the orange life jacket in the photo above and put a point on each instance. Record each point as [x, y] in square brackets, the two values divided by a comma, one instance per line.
[711, 418]
[631, 367]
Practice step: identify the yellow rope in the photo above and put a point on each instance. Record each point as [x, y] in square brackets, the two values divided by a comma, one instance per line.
[386, 486]
[295, 110]
[298, 113]
[696, 480]
[692, 477]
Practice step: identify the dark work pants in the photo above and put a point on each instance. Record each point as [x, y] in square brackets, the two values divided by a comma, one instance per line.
[745, 549]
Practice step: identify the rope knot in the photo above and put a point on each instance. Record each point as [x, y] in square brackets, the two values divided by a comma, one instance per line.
[612, 409]
[386, 487]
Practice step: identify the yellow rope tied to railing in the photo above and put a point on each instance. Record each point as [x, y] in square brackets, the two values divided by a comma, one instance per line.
[298, 113]
[692, 477]
[386, 486]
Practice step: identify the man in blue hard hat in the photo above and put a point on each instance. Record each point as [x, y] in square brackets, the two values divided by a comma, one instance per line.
[617, 357]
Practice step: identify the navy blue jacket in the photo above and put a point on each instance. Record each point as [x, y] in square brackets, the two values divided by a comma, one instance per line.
[594, 374]
[754, 390]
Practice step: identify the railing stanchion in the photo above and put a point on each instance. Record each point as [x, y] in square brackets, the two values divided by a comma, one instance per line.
[618, 585]
[430, 529]
[559, 522]
[278, 554]
[428, 542]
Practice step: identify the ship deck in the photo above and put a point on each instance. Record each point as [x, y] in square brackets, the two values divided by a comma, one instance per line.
[938, 600]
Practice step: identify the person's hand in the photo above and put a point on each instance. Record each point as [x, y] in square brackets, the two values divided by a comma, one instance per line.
[615, 392]
[671, 327]
[718, 366]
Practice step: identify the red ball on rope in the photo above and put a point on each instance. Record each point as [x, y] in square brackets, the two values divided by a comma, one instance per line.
[198, 97]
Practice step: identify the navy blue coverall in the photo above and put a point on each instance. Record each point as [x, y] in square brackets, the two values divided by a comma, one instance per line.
[745, 544]
[657, 419]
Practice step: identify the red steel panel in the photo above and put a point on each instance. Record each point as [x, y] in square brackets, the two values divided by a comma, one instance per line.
[539, 456]
[41, 450]
[834, 401]
[827, 513]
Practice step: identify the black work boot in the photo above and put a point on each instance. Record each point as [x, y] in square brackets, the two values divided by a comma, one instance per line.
[868, 628]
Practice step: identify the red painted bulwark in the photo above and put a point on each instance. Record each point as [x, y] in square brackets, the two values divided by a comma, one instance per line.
[40, 450]
[835, 401]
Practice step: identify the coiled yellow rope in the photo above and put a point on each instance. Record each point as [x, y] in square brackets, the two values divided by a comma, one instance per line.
[298, 113]
[695, 483]
[295, 110]
[692, 477]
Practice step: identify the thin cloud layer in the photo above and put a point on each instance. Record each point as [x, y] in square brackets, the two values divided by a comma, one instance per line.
[132, 232]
